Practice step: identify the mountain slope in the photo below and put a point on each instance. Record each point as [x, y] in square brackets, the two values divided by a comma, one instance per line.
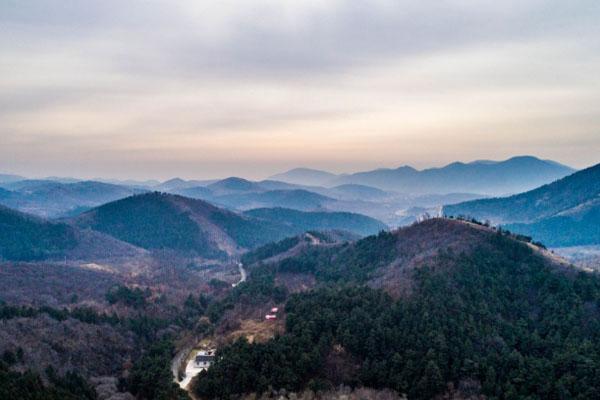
[388, 259]
[579, 226]
[26, 237]
[510, 176]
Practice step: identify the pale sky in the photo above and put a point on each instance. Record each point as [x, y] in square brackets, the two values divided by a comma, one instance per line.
[200, 89]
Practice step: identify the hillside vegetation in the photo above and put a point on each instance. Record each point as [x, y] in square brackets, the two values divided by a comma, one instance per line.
[164, 221]
[24, 237]
[499, 321]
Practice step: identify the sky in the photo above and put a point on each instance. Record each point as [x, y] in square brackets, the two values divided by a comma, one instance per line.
[208, 89]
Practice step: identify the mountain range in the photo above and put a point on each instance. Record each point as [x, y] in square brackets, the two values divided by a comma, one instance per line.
[483, 177]
[562, 213]
[394, 196]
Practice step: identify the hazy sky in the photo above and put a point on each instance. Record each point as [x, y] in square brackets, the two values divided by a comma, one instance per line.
[154, 89]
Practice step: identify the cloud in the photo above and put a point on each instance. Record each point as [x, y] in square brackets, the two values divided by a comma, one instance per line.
[268, 81]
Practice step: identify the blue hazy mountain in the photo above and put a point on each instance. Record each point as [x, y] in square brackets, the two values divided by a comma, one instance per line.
[563, 213]
[484, 177]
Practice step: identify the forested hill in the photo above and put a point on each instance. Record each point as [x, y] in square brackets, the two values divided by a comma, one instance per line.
[25, 237]
[500, 321]
[165, 221]
[387, 260]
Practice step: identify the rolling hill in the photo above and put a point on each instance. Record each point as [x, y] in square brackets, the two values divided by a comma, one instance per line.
[563, 213]
[164, 221]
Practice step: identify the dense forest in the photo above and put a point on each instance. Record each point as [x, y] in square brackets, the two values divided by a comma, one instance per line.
[150, 221]
[29, 385]
[24, 237]
[345, 263]
[503, 324]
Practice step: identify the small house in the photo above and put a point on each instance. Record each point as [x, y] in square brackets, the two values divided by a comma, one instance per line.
[204, 359]
[270, 316]
[274, 310]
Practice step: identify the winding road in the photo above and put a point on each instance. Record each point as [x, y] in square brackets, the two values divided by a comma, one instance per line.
[191, 370]
[242, 273]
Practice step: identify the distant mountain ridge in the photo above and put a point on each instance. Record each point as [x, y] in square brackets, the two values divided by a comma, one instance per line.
[509, 176]
[305, 176]
[487, 177]
[563, 213]
[55, 199]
